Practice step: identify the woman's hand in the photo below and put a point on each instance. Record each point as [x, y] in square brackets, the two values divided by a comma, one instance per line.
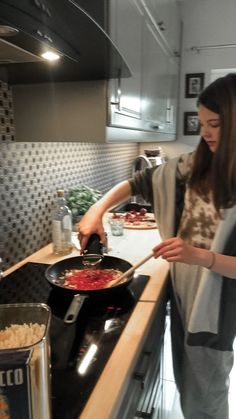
[177, 250]
[92, 220]
[89, 224]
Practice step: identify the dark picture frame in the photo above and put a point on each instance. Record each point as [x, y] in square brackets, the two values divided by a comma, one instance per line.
[194, 84]
[191, 123]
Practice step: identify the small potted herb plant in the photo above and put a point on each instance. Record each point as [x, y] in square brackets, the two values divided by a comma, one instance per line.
[80, 199]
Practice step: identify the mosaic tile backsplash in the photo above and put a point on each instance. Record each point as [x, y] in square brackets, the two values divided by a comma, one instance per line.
[7, 129]
[31, 173]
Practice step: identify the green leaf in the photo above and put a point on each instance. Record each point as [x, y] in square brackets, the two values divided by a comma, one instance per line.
[81, 198]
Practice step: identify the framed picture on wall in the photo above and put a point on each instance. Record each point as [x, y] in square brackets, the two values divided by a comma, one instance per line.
[194, 83]
[191, 123]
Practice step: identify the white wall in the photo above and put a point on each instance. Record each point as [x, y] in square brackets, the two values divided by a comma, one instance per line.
[205, 22]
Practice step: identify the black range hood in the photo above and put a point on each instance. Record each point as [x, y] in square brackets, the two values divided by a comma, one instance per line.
[87, 52]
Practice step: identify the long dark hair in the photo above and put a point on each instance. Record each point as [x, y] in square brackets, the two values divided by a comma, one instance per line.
[217, 171]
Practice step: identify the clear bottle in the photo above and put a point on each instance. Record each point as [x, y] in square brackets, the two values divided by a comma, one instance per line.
[61, 226]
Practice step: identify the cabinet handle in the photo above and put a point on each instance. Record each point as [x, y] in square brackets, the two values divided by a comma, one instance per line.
[152, 400]
[1, 269]
[144, 414]
[118, 95]
[155, 127]
[170, 114]
[161, 25]
[142, 374]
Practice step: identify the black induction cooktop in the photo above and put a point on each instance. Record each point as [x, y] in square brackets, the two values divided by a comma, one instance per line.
[80, 350]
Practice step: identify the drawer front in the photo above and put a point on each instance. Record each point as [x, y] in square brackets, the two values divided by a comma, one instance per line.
[144, 395]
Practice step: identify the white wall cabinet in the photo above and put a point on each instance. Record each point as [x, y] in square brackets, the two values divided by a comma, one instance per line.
[147, 101]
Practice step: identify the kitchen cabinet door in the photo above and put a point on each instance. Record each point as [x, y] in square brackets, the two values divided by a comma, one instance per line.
[159, 83]
[167, 16]
[125, 29]
[145, 102]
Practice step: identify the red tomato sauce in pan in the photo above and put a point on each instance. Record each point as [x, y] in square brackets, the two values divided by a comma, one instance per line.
[89, 279]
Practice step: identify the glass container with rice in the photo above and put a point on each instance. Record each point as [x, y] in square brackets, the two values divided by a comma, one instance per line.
[24, 361]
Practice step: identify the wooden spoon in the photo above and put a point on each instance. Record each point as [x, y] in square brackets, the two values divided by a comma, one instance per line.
[129, 272]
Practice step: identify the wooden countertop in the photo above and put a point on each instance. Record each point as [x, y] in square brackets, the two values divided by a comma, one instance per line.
[132, 246]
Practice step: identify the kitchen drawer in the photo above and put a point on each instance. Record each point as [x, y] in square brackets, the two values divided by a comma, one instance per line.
[144, 395]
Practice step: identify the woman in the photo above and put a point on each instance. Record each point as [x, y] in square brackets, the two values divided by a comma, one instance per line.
[194, 201]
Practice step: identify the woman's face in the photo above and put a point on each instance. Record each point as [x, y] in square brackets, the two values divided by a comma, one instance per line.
[209, 127]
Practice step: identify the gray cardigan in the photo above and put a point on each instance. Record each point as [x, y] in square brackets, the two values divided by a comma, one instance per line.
[213, 318]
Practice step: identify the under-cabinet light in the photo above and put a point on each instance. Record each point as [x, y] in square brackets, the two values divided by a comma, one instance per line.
[50, 56]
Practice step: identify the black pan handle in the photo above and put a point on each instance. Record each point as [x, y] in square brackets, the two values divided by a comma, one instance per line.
[94, 245]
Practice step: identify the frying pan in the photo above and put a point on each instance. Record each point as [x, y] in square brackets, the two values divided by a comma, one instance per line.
[55, 271]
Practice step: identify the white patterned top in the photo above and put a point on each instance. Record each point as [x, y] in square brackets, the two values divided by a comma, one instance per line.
[199, 219]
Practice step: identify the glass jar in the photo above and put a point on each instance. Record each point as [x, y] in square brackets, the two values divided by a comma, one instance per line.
[25, 388]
